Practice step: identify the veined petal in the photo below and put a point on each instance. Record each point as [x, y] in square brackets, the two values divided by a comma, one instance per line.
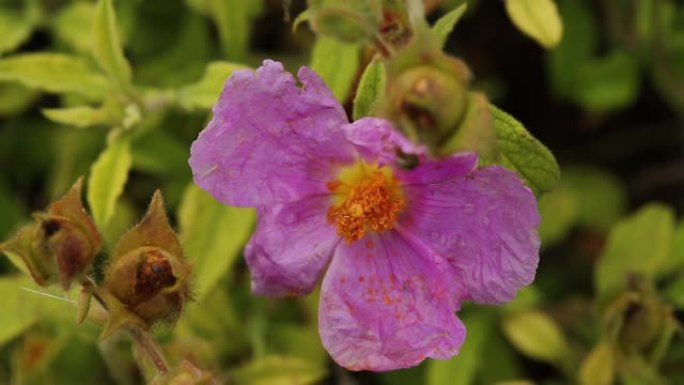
[376, 140]
[291, 247]
[387, 304]
[484, 223]
[271, 140]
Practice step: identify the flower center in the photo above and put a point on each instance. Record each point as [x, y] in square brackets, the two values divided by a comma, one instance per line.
[364, 197]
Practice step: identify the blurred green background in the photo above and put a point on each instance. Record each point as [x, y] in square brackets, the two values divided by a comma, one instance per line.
[608, 101]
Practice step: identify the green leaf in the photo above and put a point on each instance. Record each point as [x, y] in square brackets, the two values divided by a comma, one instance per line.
[70, 23]
[640, 243]
[524, 154]
[538, 19]
[157, 152]
[24, 304]
[608, 83]
[107, 46]
[598, 368]
[212, 235]
[14, 29]
[446, 23]
[204, 93]
[371, 89]
[54, 73]
[336, 62]
[676, 260]
[233, 22]
[537, 336]
[83, 116]
[108, 176]
[461, 370]
[278, 370]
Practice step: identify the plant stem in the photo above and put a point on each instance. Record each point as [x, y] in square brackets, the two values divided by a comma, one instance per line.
[148, 345]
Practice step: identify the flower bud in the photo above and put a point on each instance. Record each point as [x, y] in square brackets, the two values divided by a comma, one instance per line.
[637, 318]
[146, 280]
[61, 244]
[429, 101]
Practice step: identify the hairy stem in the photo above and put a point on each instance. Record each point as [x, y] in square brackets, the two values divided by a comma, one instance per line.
[150, 347]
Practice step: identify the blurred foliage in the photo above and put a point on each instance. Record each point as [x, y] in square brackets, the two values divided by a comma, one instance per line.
[117, 90]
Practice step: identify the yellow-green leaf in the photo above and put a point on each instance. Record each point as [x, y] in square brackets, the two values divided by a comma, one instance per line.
[204, 93]
[108, 176]
[446, 23]
[371, 89]
[598, 368]
[107, 47]
[212, 235]
[536, 335]
[82, 116]
[278, 370]
[538, 19]
[14, 30]
[56, 73]
[233, 22]
[336, 62]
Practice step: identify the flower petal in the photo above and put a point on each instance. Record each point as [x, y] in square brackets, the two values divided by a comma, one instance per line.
[484, 223]
[376, 140]
[387, 304]
[270, 140]
[291, 246]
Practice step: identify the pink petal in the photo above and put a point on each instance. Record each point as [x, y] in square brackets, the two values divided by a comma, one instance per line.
[291, 247]
[376, 140]
[270, 140]
[387, 304]
[484, 223]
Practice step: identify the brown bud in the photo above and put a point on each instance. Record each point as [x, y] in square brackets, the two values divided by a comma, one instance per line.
[61, 244]
[146, 280]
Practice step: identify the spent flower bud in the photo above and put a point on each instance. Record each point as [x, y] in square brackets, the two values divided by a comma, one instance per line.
[146, 280]
[59, 246]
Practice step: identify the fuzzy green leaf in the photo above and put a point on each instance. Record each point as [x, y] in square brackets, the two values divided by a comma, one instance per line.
[336, 62]
[54, 73]
[107, 47]
[523, 153]
[446, 23]
[639, 244]
[204, 93]
[538, 19]
[212, 235]
[608, 83]
[371, 89]
[108, 176]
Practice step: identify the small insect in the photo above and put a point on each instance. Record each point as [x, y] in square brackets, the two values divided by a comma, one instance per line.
[406, 161]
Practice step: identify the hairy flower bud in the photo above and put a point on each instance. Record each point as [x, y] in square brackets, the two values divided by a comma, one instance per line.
[146, 281]
[60, 245]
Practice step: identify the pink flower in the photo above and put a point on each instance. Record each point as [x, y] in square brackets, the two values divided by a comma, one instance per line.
[402, 247]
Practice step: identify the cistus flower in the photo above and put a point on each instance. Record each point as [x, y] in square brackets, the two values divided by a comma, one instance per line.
[403, 247]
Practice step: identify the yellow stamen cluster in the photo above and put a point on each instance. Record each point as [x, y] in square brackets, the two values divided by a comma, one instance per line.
[365, 197]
